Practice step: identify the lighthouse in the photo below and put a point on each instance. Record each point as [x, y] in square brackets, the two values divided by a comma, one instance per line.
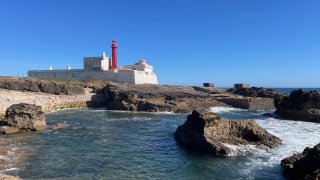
[114, 55]
[104, 68]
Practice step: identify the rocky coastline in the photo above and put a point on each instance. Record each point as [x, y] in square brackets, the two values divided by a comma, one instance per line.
[299, 105]
[203, 130]
[206, 131]
[57, 94]
[48, 94]
[305, 165]
[258, 92]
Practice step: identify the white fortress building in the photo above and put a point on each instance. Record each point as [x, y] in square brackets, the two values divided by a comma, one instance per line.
[103, 68]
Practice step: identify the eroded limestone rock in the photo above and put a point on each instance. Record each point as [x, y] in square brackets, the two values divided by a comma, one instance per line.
[207, 132]
[26, 117]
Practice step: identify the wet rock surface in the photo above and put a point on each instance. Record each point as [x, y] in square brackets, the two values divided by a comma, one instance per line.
[206, 131]
[305, 165]
[300, 105]
[26, 117]
[57, 126]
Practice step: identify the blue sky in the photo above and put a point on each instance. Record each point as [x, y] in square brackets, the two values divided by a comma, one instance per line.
[271, 43]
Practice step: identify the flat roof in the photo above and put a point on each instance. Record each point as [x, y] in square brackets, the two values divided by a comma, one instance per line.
[58, 70]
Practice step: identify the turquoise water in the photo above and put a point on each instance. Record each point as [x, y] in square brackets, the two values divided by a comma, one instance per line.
[102, 144]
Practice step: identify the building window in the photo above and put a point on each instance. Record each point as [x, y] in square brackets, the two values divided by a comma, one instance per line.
[73, 75]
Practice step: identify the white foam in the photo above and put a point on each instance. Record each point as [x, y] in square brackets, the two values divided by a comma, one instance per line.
[65, 109]
[224, 109]
[12, 169]
[242, 149]
[296, 135]
[165, 112]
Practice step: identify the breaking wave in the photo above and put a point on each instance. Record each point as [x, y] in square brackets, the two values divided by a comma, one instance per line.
[296, 135]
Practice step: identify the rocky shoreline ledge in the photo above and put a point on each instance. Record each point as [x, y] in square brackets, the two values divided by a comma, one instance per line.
[55, 94]
[50, 95]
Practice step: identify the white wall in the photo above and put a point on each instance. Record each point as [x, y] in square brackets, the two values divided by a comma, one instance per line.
[142, 77]
[123, 76]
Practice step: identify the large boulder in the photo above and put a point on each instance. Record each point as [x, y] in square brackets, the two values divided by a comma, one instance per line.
[299, 105]
[305, 165]
[26, 117]
[207, 132]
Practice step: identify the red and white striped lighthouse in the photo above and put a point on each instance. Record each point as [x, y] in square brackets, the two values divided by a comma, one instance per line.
[114, 64]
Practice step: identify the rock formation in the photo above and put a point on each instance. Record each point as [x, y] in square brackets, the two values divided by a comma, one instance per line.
[299, 105]
[26, 117]
[305, 165]
[53, 94]
[257, 92]
[57, 126]
[37, 85]
[207, 132]
[154, 98]
[248, 102]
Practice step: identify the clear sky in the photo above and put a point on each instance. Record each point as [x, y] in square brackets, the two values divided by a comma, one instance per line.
[272, 43]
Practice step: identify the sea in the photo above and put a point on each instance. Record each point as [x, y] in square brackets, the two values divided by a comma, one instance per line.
[289, 90]
[103, 144]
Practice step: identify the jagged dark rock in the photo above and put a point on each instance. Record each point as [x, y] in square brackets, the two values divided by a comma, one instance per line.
[305, 165]
[258, 92]
[206, 131]
[26, 117]
[37, 85]
[248, 102]
[300, 105]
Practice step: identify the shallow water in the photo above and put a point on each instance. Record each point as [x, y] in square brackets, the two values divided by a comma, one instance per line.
[102, 144]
